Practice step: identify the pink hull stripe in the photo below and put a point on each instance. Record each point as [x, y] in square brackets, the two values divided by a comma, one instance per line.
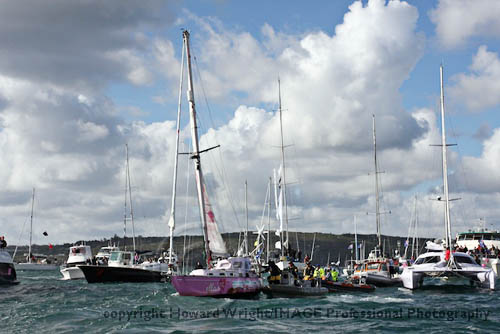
[212, 286]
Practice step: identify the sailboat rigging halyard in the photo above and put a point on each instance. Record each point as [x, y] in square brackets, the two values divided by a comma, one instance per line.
[231, 277]
[440, 261]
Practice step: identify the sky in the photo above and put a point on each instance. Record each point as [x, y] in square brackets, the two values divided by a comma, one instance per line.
[80, 79]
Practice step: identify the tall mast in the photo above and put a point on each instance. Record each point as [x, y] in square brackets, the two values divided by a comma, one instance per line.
[31, 224]
[268, 221]
[171, 221]
[196, 151]
[355, 240]
[377, 197]
[128, 188]
[284, 169]
[246, 214]
[445, 166]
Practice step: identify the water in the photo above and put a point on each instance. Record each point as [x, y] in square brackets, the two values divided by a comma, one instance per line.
[44, 303]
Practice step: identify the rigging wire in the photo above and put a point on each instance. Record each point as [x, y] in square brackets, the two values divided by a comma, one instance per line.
[222, 171]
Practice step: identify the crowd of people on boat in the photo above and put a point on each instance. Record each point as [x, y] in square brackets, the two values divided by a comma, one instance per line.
[311, 273]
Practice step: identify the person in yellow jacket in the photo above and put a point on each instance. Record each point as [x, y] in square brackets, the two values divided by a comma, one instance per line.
[335, 275]
[322, 273]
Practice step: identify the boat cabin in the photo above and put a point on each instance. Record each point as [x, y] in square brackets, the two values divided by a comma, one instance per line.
[79, 254]
[121, 258]
[471, 239]
[231, 267]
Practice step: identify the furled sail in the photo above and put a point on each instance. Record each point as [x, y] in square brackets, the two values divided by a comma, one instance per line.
[216, 244]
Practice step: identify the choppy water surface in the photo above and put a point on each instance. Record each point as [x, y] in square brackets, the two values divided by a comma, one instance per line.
[44, 303]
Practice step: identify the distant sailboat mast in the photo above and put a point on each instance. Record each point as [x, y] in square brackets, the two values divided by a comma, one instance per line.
[283, 171]
[377, 197]
[31, 225]
[128, 189]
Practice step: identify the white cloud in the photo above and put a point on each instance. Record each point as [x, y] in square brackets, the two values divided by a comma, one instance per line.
[459, 20]
[479, 89]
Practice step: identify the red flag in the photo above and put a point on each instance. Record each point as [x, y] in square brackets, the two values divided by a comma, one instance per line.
[51, 246]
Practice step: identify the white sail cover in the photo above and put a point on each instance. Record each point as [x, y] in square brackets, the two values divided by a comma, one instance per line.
[278, 200]
[216, 244]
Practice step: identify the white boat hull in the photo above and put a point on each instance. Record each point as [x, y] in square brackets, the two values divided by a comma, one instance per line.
[72, 273]
[414, 279]
[36, 266]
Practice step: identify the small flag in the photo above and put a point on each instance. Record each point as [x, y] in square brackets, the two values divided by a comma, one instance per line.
[45, 234]
[51, 246]
[406, 243]
[350, 246]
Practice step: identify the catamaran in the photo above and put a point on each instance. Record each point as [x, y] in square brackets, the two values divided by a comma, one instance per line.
[439, 261]
[231, 277]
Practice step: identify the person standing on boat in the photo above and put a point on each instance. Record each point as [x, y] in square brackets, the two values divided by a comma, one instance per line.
[294, 271]
[3, 243]
[275, 277]
[447, 254]
[308, 271]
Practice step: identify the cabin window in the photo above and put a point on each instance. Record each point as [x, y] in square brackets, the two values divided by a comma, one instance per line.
[372, 266]
[222, 274]
[429, 259]
[463, 259]
[237, 265]
[115, 256]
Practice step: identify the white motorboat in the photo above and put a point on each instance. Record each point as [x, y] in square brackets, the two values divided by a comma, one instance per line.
[490, 239]
[78, 255]
[104, 253]
[125, 266]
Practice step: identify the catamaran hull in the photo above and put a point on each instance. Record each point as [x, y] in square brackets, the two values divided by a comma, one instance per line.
[106, 274]
[72, 273]
[221, 287]
[36, 266]
[415, 279]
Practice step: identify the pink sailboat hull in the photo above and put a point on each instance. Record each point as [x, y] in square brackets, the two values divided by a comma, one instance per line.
[208, 286]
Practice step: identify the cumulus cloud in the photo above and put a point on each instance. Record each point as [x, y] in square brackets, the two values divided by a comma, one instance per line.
[68, 141]
[79, 44]
[479, 89]
[458, 20]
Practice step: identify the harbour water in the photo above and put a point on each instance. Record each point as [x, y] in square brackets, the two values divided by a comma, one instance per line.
[43, 303]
